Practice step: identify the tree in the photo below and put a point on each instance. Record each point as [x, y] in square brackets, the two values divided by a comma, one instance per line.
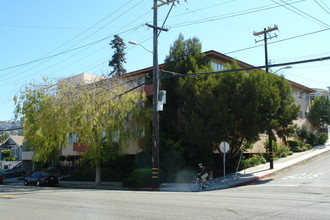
[104, 118]
[3, 136]
[118, 58]
[319, 115]
[185, 57]
[234, 107]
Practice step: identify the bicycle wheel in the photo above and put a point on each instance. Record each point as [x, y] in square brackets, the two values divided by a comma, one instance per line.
[207, 185]
[195, 186]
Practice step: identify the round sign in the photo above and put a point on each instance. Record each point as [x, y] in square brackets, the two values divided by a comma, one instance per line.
[224, 147]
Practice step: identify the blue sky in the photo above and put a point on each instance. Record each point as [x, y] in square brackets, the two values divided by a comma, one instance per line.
[58, 39]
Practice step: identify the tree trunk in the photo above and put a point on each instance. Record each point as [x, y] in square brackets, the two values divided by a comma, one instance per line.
[98, 174]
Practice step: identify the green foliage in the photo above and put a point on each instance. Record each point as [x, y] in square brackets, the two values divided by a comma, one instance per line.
[240, 105]
[185, 56]
[5, 153]
[140, 178]
[303, 133]
[255, 160]
[294, 144]
[104, 120]
[322, 138]
[3, 136]
[10, 158]
[319, 115]
[61, 158]
[298, 146]
[312, 139]
[281, 150]
[83, 174]
[171, 154]
[118, 58]
[143, 159]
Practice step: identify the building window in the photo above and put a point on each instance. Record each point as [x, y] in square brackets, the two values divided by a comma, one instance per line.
[73, 138]
[217, 66]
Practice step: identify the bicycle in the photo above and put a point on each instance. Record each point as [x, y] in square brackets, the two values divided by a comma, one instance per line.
[197, 185]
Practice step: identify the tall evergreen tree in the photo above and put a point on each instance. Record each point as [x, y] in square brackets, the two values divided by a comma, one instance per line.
[185, 57]
[118, 58]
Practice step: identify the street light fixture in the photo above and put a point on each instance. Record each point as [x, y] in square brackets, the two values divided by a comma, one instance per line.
[137, 44]
[286, 67]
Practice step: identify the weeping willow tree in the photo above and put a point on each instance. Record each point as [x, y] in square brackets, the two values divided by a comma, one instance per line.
[105, 117]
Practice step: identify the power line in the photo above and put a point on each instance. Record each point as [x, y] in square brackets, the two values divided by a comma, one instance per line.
[244, 69]
[273, 42]
[77, 48]
[304, 13]
[230, 15]
[321, 6]
[325, 5]
[72, 38]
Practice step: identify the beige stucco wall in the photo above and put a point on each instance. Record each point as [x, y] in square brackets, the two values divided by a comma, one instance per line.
[82, 78]
[27, 155]
[68, 151]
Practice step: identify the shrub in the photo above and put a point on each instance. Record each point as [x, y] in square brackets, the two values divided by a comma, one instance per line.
[255, 160]
[61, 158]
[282, 151]
[279, 150]
[302, 147]
[294, 144]
[312, 139]
[5, 153]
[82, 174]
[9, 159]
[139, 178]
[322, 138]
[303, 133]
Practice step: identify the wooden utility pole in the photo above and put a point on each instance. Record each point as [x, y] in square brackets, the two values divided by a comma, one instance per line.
[267, 36]
[155, 113]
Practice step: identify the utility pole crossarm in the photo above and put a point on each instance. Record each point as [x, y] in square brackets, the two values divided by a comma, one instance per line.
[163, 3]
[275, 28]
[155, 27]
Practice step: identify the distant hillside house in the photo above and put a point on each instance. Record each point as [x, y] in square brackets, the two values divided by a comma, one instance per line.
[14, 144]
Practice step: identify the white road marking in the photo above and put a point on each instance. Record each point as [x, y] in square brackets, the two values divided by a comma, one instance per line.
[303, 176]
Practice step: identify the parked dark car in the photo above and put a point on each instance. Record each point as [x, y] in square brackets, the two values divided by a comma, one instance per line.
[9, 173]
[41, 178]
[1, 179]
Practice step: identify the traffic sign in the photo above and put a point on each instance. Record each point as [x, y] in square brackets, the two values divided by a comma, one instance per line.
[224, 147]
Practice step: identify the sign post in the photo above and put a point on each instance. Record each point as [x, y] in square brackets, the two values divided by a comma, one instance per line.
[224, 148]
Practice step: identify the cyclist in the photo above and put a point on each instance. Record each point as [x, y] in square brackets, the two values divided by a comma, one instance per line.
[202, 173]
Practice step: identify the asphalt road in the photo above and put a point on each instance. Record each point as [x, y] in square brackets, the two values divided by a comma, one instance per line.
[301, 192]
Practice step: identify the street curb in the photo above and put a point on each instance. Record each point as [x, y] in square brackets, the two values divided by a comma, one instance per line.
[251, 180]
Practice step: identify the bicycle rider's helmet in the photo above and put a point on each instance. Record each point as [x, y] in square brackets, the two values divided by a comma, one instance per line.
[200, 164]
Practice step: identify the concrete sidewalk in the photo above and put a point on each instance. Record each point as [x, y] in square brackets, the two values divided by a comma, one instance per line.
[232, 180]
